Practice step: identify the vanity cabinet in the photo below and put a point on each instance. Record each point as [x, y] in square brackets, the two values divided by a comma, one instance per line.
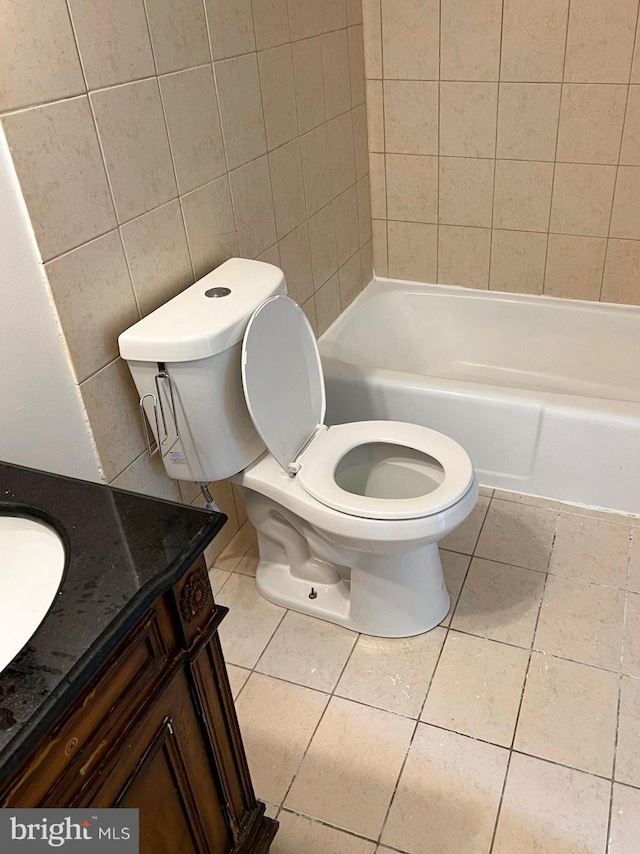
[156, 729]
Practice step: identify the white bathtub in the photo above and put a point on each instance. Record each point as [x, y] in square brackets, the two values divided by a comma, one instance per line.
[543, 393]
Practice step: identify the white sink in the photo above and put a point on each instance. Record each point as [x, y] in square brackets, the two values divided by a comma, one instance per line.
[31, 567]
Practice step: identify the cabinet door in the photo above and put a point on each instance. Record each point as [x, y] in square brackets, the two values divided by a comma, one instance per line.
[163, 769]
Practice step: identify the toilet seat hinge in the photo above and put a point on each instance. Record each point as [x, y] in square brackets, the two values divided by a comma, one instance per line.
[294, 466]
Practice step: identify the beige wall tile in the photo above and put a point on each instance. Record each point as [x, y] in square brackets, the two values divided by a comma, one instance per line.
[356, 65]
[271, 23]
[39, 60]
[341, 153]
[360, 141]
[591, 123]
[517, 264]
[533, 40]
[287, 185]
[470, 33]
[350, 276]
[297, 833]
[335, 71]
[322, 242]
[380, 254]
[528, 120]
[57, 159]
[625, 819]
[364, 210]
[562, 701]
[630, 154]
[411, 116]
[378, 186]
[309, 308]
[147, 476]
[230, 27]
[354, 12]
[628, 756]
[463, 256]
[327, 300]
[253, 206]
[178, 33]
[374, 744]
[366, 263]
[278, 95]
[574, 266]
[412, 250]
[158, 255]
[314, 147]
[95, 301]
[410, 39]
[332, 15]
[195, 136]
[412, 187]
[372, 28]
[303, 19]
[136, 148]
[530, 820]
[468, 119]
[522, 195]
[111, 401]
[307, 71]
[476, 688]
[448, 794]
[295, 256]
[635, 66]
[113, 39]
[582, 197]
[466, 191]
[625, 220]
[345, 208]
[270, 256]
[375, 115]
[594, 550]
[240, 100]
[621, 282]
[600, 40]
[211, 229]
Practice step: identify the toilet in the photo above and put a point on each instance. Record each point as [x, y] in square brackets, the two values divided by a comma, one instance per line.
[349, 516]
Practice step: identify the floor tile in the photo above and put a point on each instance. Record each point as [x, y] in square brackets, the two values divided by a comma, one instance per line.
[237, 678]
[464, 538]
[628, 752]
[531, 821]
[251, 621]
[455, 566]
[448, 795]
[300, 835]
[486, 491]
[308, 651]
[633, 578]
[501, 602]
[477, 688]
[232, 553]
[591, 549]
[248, 563]
[532, 500]
[392, 673]
[581, 621]
[277, 720]
[517, 534]
[568, 714]
[625, 820]
[217, 578]
[631, 644]
[349, 773]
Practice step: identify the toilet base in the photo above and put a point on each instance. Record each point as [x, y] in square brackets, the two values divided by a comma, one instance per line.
[383, 595]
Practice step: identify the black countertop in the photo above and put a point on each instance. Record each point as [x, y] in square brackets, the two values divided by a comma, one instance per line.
[123, 550]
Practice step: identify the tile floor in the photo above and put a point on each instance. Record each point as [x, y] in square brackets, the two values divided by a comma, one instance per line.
[512, 728]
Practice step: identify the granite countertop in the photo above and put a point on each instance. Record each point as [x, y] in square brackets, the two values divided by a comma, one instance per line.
[123, 550]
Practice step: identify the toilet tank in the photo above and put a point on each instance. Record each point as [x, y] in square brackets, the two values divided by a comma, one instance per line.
[185, 359]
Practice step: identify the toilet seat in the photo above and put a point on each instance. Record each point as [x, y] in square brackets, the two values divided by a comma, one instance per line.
[284, 390]
[319, 461]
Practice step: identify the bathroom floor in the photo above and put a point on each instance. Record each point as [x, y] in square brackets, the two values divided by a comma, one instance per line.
[514, 727]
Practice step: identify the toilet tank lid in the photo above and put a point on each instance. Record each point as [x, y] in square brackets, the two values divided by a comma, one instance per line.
[193, 325]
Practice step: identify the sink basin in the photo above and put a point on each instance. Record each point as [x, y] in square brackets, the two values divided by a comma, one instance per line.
[31, 568]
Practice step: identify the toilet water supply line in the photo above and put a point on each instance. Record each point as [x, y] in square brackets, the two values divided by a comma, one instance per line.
[208, 497]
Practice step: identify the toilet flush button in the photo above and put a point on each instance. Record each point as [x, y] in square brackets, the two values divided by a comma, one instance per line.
[217, 292]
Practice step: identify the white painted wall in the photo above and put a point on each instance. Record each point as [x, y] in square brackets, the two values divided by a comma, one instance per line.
[43, 423]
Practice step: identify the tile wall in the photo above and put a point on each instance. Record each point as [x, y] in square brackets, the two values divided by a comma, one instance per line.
[154, 139]
[504, 140]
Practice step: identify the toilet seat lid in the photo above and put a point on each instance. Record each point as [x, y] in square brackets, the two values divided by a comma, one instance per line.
[282, 378]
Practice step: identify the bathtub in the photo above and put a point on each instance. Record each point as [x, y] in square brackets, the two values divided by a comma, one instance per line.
[543, 393]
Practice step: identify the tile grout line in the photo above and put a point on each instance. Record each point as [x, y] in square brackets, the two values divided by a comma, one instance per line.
[495, 152]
